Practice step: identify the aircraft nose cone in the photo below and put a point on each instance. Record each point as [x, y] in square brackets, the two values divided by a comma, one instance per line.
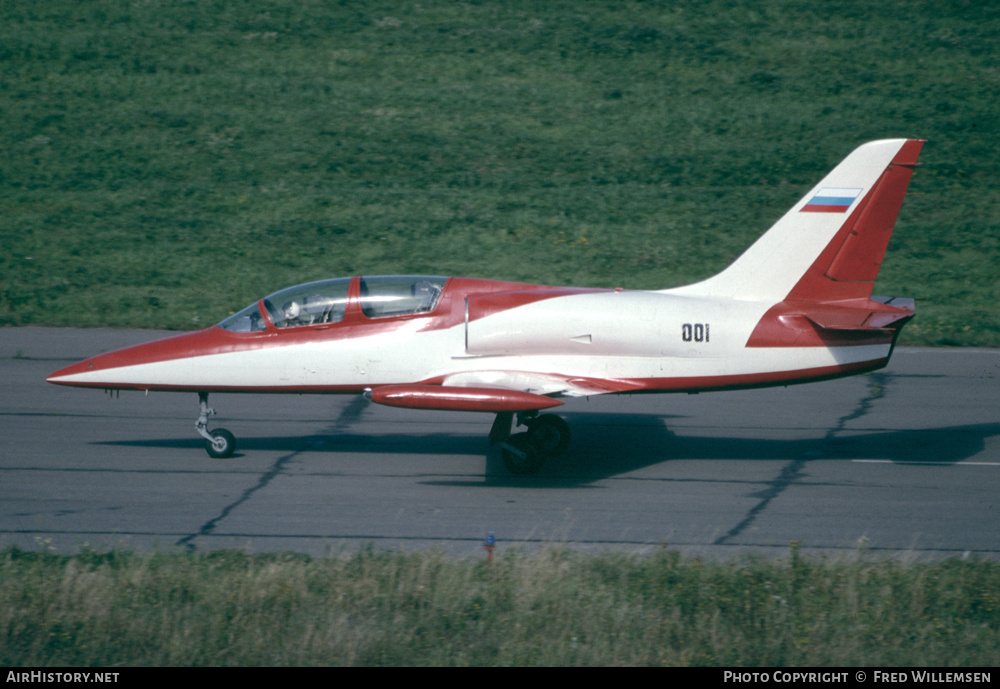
[63, 375]
[129, 368]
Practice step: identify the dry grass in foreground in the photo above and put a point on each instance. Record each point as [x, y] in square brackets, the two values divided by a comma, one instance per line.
[556, 607]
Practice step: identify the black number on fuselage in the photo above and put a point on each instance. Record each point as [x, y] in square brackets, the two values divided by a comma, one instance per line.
[695, 332]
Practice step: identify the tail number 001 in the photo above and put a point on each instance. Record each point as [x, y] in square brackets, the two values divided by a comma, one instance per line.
[695, 332]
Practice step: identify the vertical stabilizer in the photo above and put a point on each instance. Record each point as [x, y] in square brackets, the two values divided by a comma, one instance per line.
[830, 245]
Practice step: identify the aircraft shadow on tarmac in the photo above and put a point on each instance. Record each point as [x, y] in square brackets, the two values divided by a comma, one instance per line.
[606, 445]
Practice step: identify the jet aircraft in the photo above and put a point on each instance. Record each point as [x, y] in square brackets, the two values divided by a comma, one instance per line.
[795, 307]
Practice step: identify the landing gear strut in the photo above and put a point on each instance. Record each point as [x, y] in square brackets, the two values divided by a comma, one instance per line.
[525, 453]
[220, 443]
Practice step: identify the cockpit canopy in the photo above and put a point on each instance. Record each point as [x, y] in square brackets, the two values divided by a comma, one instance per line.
[326, 302]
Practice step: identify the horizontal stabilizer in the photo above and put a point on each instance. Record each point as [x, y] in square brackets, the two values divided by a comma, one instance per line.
[459, 399]
[900, 308]
[842, 323]
[868, 315]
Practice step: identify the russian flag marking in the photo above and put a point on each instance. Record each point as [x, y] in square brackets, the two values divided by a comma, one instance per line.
[831, 200]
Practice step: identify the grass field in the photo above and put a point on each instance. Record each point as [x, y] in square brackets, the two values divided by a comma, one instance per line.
[165, 163]
[555, 607]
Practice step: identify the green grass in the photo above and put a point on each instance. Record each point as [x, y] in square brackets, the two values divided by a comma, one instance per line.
[555, 607]
[165, 163]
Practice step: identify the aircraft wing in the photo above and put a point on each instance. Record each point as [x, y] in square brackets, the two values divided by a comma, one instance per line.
[494, 391]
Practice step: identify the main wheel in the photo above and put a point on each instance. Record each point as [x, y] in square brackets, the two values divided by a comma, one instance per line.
[222, 445]
[550, 434]
[532, 460]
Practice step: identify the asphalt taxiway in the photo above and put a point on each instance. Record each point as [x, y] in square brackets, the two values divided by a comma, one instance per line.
[904, 461]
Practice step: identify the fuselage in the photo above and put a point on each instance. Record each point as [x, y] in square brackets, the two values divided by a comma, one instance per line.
[483, 333]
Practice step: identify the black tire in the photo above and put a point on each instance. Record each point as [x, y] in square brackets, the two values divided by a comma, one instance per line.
[550, 434]
[223, 446]
[532, 461]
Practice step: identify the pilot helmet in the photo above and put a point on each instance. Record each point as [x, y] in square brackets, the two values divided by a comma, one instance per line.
[291, 310]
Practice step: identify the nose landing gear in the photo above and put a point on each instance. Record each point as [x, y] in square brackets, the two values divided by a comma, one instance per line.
[220, 443]
[524, 453]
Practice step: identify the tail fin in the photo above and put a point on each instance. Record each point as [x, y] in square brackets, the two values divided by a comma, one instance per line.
[830, 245]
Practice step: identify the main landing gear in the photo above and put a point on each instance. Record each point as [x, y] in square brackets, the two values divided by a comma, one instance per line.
[525, 453]
[220, 443]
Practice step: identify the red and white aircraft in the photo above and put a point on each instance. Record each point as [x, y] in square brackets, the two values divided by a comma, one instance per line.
[795, 307]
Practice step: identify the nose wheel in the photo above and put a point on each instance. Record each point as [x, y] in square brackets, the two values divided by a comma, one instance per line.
[219, 443]
[222, 444]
